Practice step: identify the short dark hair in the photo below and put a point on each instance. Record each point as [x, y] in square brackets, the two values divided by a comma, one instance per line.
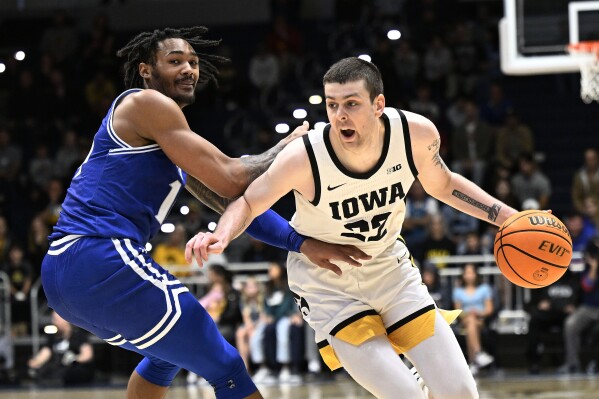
[143, 47]
[353, 69]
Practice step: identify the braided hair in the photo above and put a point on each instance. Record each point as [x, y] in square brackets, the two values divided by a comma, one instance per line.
[143, 47]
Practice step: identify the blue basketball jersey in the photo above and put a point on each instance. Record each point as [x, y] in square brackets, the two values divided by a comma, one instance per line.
[119, 191]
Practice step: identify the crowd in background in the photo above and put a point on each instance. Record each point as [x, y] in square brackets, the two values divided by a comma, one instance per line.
[443, 68]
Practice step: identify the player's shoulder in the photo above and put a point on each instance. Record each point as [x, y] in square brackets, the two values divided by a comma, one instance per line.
[150, 100]
[422, 129]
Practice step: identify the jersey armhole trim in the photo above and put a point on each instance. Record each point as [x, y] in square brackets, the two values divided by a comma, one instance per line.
[408, 143]
[109, 126]
[314, 167]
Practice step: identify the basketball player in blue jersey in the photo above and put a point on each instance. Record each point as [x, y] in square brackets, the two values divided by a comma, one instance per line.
[350, 180]
[97, 273]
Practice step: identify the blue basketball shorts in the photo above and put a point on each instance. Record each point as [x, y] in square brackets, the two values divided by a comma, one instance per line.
[112, 288]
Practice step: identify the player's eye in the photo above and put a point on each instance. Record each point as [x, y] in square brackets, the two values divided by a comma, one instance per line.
[332, 105]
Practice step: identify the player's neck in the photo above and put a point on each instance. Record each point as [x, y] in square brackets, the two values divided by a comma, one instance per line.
[363, 154]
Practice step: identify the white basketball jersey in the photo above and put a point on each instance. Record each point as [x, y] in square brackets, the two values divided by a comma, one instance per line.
[362, 209]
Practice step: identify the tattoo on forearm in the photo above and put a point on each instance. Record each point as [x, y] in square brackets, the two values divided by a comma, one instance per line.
[206, 196]
[257, 164]
[492, 211]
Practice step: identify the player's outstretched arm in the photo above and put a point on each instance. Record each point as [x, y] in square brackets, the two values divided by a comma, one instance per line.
[272, 229]
[451, 188]
[157, 118]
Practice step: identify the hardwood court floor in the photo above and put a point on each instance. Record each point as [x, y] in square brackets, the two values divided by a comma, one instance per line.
[544, 387]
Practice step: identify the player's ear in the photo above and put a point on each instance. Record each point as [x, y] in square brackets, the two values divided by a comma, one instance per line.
[144, 70]
[379, 103]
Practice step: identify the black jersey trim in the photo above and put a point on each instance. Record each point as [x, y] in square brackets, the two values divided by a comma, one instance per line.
[375, 168]
[322, 344]
[347, 322]
[408, 143]
[409, 318]
[314, 167]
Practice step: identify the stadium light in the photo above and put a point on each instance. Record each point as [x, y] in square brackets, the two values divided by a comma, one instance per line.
[315, 99]
[167, 228]
[184, 210]
[393, 34]
[300, 113]
[2, 67]
[149, 247]
[20, 55]
[282, 128]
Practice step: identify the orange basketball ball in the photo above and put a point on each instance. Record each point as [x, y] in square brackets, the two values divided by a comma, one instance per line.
[533, 249]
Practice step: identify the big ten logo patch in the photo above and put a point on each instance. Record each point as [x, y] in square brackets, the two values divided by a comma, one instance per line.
[553, 248]
[302, 305]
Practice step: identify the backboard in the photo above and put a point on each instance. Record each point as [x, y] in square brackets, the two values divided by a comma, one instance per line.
[534, 34]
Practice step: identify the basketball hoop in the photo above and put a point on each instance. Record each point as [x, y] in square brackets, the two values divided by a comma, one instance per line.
[588, 56]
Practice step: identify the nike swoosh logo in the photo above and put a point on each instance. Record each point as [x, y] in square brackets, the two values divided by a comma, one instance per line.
[334, 187]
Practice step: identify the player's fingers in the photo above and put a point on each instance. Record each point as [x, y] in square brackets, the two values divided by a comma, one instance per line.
[357, 253]
[215, 248]
[348, 259]
[331, 266]
[548, 210]
[189, 249]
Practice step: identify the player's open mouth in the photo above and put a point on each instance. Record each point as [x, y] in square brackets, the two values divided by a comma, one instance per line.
[347, 132]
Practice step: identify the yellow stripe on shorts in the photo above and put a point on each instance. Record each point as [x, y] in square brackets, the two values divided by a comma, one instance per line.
[403, 335]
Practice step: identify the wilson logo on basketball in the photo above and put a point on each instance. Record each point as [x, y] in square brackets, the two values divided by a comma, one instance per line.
[553, 248]
[550, 222]
[540, 274]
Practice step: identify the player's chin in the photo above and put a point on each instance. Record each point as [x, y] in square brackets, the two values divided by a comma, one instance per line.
[185, 98]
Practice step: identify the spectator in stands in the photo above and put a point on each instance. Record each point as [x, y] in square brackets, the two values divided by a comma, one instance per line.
[586, 180]
[424, 105]
[503, 192]
[19, 272]
[55, 193]
[439, 290]
[223, 302]
[5, 240]
[513, 139]
[420, 207]
[407, 68]
[586, 314]
[60, 40]
[66, 355]
[496, 109]
[472, 145]
[580, 233]
[283, 328]
[591, 211]
[548, 308]
[252, 311]
[10, 164]
[41, 167]
[530, 182]
[99, 93]
[37, 244]
[171, 253]
[437, 66]
[476, 301]
[437, 243]
[459, 224]
[68, 156]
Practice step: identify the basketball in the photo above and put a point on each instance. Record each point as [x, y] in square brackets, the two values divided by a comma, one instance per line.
[533, 249]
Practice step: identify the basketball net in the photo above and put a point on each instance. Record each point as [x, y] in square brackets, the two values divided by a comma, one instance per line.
[589, 69]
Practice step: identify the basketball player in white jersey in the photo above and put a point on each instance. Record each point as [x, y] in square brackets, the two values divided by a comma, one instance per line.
[350, 180]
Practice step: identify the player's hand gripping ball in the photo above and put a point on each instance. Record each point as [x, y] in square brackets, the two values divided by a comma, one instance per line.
[533, 249]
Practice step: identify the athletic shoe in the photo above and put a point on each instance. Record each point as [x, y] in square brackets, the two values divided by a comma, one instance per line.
[483, 359]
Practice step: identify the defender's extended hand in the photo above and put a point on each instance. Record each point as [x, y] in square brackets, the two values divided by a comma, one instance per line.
[201, 245]
[322, 253]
